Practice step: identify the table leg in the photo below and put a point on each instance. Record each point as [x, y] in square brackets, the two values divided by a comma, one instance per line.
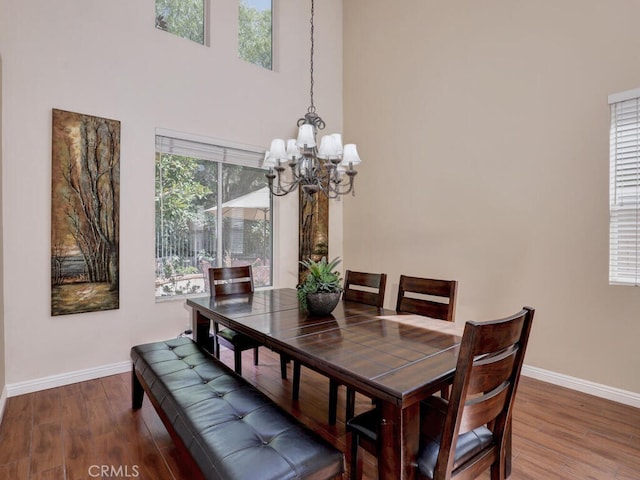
[296, 380]
[216, 344]
[333, 401]
[399, 432]
[200, 326]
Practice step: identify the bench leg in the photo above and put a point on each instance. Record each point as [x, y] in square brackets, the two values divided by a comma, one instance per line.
[137, 391]
[255, 356]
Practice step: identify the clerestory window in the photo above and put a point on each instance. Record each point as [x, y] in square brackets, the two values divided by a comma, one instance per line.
[255, 32]
[184, 18]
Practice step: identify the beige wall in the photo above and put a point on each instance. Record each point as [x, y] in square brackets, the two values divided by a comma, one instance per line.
[107, 59]
[483, 128]
[3, 381]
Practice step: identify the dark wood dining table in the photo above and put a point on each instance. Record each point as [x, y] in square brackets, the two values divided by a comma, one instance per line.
[396, 359]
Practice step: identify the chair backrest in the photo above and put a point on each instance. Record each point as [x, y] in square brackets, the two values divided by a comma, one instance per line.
[371, 281]
[230, 280]
[434, 290]
[487, 374]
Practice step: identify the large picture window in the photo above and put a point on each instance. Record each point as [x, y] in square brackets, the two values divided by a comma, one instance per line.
[213, 209]
[624, 205]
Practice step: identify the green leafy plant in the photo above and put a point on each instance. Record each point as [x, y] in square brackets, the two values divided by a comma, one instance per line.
[321, 277]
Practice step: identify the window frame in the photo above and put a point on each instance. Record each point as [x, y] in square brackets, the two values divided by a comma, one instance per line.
[624, 188]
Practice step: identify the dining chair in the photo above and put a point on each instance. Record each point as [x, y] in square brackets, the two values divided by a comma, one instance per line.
[425, 296]
[471, 431]
[225, 281]
[360, 287]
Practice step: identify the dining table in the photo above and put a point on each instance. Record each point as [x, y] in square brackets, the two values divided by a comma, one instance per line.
[396, 359]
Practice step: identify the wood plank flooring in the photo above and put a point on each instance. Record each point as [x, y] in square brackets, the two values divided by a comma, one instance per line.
[88, 430]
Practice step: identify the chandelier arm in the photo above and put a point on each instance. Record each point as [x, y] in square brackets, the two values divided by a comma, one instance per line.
[281, 190]
[337, 186]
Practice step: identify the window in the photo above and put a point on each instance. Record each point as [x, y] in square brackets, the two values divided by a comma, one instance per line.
[255, 32]
[185, 18]
[213, 208]
[624, 191]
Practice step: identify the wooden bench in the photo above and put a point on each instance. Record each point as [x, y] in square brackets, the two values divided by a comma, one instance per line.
[230, 429]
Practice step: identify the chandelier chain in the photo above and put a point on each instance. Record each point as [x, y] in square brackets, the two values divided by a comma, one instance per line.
[312, 107]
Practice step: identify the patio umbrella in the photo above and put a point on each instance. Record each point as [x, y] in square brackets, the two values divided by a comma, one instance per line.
[254, 205]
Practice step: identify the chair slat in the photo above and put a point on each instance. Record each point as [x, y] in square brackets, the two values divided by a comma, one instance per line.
[230, 280]
[487, 376]
[484, 409]
[429, 307]
[353, 280]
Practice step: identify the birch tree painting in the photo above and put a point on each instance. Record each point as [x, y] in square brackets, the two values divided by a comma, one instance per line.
[85, 208]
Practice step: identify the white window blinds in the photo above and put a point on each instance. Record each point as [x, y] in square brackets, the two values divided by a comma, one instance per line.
[208, 151]
[624, 191]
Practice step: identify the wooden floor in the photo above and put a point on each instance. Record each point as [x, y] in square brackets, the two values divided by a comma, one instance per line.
[88, 430]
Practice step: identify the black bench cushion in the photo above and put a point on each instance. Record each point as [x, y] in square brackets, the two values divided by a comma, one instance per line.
[231, 429]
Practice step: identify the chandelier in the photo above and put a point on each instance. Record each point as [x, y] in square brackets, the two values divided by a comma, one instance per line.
[327, 168]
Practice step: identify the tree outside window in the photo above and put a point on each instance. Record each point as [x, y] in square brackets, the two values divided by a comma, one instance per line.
[255, 32]
[209, 214]
[185, 18]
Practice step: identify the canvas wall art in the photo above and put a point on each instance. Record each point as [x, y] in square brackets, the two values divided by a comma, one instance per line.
[85, 213]
[313, 229]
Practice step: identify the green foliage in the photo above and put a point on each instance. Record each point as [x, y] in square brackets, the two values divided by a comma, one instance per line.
[177, 193]
[175, 269]
[179, 288]
[184, 18]
[321, 276]
[187, 231]
[254, 35]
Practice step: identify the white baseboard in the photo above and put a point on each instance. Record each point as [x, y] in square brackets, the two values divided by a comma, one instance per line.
[3, 402]
[584, 386]
[67, 378]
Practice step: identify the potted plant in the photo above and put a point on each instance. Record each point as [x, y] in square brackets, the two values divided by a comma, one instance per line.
[319, 292]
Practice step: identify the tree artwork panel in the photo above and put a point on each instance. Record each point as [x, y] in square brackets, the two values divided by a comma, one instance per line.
[313, 229]
[85, 213]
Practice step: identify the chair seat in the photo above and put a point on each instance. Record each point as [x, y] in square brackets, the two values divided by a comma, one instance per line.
[469, 443]
[238, 340]
[365, 424]
[433, 413]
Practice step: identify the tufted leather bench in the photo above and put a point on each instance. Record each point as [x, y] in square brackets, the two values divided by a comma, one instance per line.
[231, 430]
